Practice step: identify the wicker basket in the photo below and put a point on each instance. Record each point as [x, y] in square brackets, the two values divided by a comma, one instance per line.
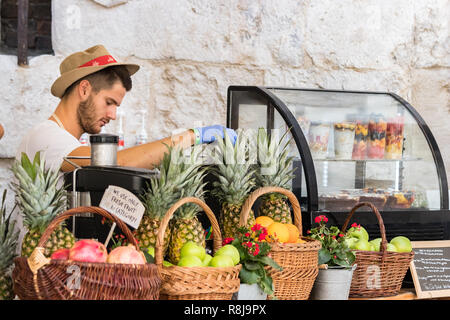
[195, 283]
[38, 277]
[298, 260]
[378, 273]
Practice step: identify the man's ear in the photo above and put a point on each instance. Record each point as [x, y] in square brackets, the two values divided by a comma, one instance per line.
[84, 90]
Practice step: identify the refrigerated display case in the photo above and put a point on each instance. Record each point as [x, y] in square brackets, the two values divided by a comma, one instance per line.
[349, 147]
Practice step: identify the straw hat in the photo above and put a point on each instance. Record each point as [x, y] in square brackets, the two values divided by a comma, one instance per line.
[81, 64]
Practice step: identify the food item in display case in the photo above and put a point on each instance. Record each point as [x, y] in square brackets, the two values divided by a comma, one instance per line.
[377, 199]
[361, 140]
[344, 136]
[318, 139]
[400, 200]
[338, 201]
[394, 138]
[305, 124]
[377, 136]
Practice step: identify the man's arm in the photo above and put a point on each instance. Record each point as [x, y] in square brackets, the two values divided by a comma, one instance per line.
[146, 155]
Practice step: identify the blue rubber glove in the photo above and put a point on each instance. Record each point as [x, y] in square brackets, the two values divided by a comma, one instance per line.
[208, 134]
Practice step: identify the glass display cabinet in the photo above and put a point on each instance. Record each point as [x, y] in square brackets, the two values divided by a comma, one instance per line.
[351, 147]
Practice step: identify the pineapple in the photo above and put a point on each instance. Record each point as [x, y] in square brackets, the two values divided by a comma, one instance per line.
[235, 174]
[161, 194]
[275, 169]
[8, 243]
[40, 201]
[185, 226]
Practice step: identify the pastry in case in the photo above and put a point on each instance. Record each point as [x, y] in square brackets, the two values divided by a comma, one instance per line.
[344, 136]
[318, 139]
[377, 136]
[339, 201]
[394, 138]
[361, 140]
[400, 200]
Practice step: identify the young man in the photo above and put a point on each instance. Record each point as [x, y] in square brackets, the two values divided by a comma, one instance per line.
[91, 87]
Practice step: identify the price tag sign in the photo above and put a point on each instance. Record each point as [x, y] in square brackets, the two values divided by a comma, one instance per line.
[124, 205]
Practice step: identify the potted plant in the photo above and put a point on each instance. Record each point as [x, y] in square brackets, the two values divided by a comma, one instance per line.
[336, 262]
[256, 283]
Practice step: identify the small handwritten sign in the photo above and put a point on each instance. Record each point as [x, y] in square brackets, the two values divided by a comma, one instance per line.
[124, 205]
[430, 268]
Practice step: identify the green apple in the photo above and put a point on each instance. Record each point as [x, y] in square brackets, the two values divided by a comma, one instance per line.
[221, 261]
[351, 242]
[376, 244]
[402, 244]
[190, 248]
[190, 261]
[358, 232]
[207, 260]
[167, 264]
[391, 247]
[231, 251]
[362, 245]
[151, 251]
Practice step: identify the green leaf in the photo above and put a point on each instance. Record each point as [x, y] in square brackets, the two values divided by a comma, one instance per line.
[27, 166]
[324, 256]
[270, 262]
[148, 257]
[251, 265]
[249, 277]
[266, 284]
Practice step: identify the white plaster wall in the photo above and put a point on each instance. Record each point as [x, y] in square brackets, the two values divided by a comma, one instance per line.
[190, 51]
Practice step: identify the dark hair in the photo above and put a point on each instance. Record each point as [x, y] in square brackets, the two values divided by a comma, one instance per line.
[104, 79]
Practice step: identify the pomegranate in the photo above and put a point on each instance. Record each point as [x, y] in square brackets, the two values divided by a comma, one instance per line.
[126, 254]
[60, 254]
[88, 250]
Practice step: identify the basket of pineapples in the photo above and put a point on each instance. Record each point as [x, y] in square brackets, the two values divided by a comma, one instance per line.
[298, 257]
[86, 271]
[196, 282]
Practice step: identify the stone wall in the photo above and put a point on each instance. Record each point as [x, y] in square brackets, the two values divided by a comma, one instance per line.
[190, 51]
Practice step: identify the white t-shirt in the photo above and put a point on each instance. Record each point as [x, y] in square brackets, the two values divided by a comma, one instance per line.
[54, 143]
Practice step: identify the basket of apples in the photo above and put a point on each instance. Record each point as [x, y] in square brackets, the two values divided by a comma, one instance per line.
[86, 271]
[381, 266]
[297, 255]
[198, 276]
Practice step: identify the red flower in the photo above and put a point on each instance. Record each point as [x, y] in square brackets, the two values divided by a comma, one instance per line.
[256, 227]
[341, 235]
[247, 234]
[320, 218]
[227, 241]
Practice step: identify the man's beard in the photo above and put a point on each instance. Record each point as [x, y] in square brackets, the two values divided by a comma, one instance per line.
[86, 116]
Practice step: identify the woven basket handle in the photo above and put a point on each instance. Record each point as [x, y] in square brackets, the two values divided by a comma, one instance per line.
[217, 237]
[383, 245]
[247, 206]
[97, 210]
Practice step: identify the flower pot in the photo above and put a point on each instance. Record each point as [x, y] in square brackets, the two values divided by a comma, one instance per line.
[249, 292]
[333, 283]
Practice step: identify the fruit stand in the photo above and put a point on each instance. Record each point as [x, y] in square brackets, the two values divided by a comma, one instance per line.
[341, 159]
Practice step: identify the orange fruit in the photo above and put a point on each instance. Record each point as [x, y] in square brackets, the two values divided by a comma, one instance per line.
[300, 241]
[278, 231]
[264, 221]
[293, 232]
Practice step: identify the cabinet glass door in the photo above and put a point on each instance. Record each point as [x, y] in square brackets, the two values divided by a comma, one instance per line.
[365, 147]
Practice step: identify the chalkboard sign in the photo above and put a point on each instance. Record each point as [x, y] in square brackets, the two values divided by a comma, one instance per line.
[430, 268]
